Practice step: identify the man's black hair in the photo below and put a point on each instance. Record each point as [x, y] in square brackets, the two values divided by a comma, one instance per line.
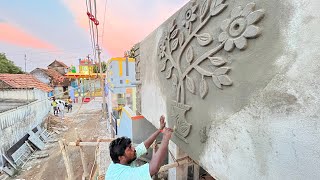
[117, 148]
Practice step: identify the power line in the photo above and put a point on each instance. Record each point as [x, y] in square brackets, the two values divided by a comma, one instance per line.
[91, 36]
[42, 52]
[92, 30]
[104, 18]
[95, 12]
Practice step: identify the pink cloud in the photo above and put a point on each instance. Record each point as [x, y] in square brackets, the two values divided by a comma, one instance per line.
[126, 24]
[15, 36]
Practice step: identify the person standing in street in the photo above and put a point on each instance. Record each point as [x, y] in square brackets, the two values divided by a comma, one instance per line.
[61, 109]
[69, 104]
[54, 105]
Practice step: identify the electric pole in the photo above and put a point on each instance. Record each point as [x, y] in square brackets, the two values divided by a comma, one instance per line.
[104, 117]
[89, 64]
[25, 71]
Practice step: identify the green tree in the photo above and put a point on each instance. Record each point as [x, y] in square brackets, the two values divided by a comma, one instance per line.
[7, 66]
[96, 68]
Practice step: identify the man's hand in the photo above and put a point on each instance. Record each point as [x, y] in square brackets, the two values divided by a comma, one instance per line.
[167, 132]
[162, 122]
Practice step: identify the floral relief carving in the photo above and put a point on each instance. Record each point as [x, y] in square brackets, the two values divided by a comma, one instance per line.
[175, 47]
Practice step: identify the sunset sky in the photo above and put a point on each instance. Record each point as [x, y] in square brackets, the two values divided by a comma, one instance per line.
[59, 29]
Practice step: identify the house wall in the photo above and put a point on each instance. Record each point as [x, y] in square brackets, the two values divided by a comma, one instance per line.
[41, 76]
[22, 94]
[125, 123]
[14, 124]
[260, 119]
[121, 74]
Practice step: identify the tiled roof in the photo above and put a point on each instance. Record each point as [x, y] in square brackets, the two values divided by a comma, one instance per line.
[53, 74]
[63, 64]
[56, 76]
[59, 62]
[24, 81]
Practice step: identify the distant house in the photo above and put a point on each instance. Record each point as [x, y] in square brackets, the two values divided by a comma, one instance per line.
[24, 104]
[58, 66]
[52, 78]
[22, 81]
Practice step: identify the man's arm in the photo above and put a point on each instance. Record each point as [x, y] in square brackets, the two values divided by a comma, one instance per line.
[160, 155]
[150, 140]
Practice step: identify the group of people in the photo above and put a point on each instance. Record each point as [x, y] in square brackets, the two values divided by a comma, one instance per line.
[59, 106]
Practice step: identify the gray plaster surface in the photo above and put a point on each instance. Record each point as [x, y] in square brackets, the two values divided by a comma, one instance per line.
[243, 90]
[8, 104]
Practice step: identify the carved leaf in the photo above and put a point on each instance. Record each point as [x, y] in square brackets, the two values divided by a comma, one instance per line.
[181, 39]
[190, 85]
[174, 34]
[204, 8]
[221, 71]
[172, 25]
[202, 71]
[174, 79]
[225, 80]
[203, 88]
[218, 9]
[216, 81]
[163, 65]
[169, 72]
[189, 54]
[204, 39]
[174, 44]
[217, 61]
[219, 2]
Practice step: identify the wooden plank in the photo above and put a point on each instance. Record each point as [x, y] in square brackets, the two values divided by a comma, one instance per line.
[179, 162]
[67, 161]
[85, 174]
[196, 171]
[90, 142]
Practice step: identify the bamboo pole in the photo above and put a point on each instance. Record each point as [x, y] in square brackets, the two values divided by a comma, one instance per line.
[66, 159]
[89, 142]
[196, 171]
[179, 162]
[83, 159]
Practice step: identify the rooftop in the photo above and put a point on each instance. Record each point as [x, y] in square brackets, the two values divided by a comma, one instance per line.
[23, 81]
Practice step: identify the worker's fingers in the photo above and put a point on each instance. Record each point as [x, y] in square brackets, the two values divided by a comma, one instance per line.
[169, 129]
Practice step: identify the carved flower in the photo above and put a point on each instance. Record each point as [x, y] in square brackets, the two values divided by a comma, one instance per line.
[190, 16]
[240, 26]
[162, 48]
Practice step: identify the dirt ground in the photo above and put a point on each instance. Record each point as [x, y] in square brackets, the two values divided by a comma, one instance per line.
[85, 117]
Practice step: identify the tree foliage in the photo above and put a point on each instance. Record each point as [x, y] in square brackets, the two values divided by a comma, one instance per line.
[7, 66]
[96, 68]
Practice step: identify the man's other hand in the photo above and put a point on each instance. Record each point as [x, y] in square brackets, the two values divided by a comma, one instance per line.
[162, 122]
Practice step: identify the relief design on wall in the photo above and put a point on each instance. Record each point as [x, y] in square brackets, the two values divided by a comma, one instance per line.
[240, 26]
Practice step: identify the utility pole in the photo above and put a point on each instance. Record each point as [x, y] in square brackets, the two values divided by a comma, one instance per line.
[104, 117]
[89, 63]
[25, 71]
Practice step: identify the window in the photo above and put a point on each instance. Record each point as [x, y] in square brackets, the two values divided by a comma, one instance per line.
[121, 81]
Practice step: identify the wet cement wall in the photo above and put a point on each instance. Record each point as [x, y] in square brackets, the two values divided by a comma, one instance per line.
[240, 82]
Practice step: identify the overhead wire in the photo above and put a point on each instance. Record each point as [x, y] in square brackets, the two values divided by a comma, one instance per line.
[95, 14]
[104, 18]
[91, 27]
